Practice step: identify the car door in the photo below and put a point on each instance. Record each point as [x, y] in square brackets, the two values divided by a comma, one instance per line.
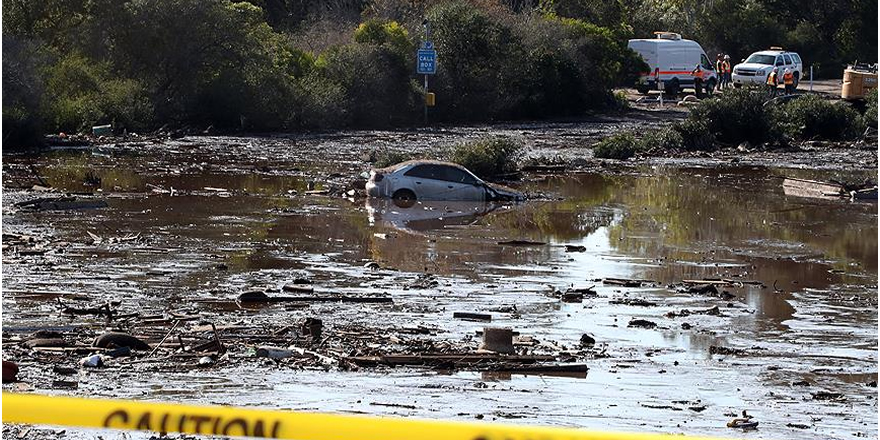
[798, 64]
[425, 181]
[461, 185]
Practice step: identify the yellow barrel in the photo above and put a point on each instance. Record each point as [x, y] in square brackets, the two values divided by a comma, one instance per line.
[857, 83]
[430, 99]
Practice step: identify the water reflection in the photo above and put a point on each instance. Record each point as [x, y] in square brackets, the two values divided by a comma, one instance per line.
[427, 215]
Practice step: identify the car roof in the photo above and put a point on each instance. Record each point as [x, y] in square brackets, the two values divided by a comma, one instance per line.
[773, 52]
[396, 167]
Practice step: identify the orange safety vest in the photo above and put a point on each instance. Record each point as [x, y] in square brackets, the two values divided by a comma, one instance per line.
[771, 79]
[719, 66]
[788, 78]
[725, 66]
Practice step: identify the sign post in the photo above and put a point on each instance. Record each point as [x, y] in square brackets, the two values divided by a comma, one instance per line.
[426, 62]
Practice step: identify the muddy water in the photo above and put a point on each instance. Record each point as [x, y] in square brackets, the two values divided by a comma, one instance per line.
[814, 320]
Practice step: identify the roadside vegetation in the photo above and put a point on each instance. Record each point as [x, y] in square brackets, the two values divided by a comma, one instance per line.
[271, 65]
[489, 157]
[743, 116]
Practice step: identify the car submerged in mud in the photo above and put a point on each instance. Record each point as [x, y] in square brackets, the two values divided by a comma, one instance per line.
[423, 180]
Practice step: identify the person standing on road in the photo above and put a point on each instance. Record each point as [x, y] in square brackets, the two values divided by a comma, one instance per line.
[788, 79]
[725, 67]
[772, 82]
[697, 73]
[719, 67]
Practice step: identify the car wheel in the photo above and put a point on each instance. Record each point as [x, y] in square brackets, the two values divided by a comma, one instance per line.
[797, 79]
[710, 87]
[404, 198]
[672, 87]
[642, 89]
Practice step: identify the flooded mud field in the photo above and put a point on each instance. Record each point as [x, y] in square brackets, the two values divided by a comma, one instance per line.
[668, 296]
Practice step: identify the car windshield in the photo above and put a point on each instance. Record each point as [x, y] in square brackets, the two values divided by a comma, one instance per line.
[757, 58]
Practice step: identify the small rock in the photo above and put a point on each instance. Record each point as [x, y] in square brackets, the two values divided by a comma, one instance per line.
[253, 296]
[206, 360]
[686, 326]
[587, 340]
[703, 289]
[10, 371]
[575, 248]
[276, 353]
[744, 424]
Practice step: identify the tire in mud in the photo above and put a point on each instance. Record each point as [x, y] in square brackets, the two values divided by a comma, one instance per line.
[404, 198]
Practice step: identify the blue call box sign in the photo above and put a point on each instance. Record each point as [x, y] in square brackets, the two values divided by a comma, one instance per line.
[427, 62]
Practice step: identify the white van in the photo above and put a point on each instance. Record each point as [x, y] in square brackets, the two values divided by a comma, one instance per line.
[672, 59]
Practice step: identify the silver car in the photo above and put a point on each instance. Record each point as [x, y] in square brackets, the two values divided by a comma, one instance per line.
[434, 180]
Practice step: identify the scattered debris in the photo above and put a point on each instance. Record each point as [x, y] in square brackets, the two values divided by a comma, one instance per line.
[498, 340]
[642, 323]
[625, 282]
[717, 349]
[712, 311]
[468, 316]
[639, 302]
[61, 204]
[93, 361]
[521, 243]
[262, 297]
[827, 395]
[114, 339]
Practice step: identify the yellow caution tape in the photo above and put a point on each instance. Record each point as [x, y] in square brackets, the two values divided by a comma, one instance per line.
[229, 421]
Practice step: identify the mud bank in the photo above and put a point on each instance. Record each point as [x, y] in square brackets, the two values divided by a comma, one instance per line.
[786, 328]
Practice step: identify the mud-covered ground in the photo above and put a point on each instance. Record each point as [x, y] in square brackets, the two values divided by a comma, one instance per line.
[788, 331]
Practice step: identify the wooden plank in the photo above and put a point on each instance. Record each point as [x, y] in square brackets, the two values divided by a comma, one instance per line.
[472, 316]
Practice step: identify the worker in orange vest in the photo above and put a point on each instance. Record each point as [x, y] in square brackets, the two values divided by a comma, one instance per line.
[788, 80]
[719, 67]
[726, 73]
[772, 82]
[697, 73]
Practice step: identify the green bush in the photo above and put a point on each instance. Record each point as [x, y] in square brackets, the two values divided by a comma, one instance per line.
[386, 158]
[488, 157]
[23, 90]
[812, 117]
[81, 93]
[389, 33]
[737, 116]
[695, 135]
[620, 146]
[376, 84]
[322, 103]
[871, 109]
[21, 129]
[664, 139]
